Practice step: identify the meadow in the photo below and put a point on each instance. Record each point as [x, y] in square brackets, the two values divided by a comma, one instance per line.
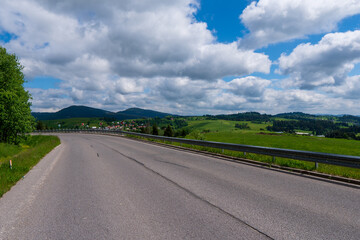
[225, 131]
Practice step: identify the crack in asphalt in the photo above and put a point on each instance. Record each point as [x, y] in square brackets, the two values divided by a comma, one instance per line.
[190, 192]
[175, 164]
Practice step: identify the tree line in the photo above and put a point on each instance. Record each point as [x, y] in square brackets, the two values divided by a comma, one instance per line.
[168, 131]
[247, 116]
[317, 127]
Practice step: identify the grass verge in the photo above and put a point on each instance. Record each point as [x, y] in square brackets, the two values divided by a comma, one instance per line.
[23, 157]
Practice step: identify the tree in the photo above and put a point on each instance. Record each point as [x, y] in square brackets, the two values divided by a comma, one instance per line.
[168, 131]
[196, 134]
[242, 126]
[146, 129]
[41, 126]
[155, 130]
[15, 113]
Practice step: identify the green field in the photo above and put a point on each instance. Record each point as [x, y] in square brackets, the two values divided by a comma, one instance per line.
[225, 131]
[224, 125]
[23, 157]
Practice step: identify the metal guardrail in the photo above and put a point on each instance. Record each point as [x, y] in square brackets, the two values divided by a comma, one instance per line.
[327, 158]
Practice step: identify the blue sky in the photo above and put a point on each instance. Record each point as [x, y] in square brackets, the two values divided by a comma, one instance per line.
[188, 56]
[43, 82]
[223, 18]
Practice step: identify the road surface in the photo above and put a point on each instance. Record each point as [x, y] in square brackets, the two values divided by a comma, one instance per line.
[104, 187]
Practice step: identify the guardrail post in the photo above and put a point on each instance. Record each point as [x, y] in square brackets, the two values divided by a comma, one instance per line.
[222, 150]
[273, 159]
[244, 154]
[316, 165]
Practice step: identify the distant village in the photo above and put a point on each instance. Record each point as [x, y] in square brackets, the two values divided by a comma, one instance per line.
[123, 125]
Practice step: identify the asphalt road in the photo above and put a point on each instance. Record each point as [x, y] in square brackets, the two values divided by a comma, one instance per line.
[103, 187]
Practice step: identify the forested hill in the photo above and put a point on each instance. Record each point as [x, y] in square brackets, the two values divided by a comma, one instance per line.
[305, 116]
[345, 126]
[73, 112]
[88, 112]
[296, 115]
[142, 113]
[247, 116]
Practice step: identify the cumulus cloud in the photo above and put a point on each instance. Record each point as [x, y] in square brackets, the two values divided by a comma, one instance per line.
[137, 39]
[252, 87]
[348, 90]
[324, 64]
[49, 100]
[211, 97]
[156, 55]
[293, 100]
[127, 86]
[272, 21]
[186, 97]
[125, 53]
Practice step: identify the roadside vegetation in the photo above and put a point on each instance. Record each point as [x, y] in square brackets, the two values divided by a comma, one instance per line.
[225, 131]
[24, 156]
[304, 165]
[15, 114]
[251, 133]
[16, 122]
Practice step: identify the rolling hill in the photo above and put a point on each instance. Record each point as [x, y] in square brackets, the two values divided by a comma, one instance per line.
[88, 112]
[134, 113]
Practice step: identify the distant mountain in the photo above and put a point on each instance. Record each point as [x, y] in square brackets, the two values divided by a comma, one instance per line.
[141, 113]
[88, 112]
[74, 112]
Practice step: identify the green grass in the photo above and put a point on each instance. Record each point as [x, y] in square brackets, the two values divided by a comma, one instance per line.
[212, 125]
[224, 125]
[310, 166]
[225, 131]
[288, 141]
[23, 158]
[7, 150]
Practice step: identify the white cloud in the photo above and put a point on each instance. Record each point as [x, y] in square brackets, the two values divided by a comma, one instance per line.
[186, 97]
[137, 39]
[294, 100]
[272, 21]
[238, 94]
[348, 90]
[252, 87]
[128, 85]
[324, 64]
[49, 100]
[155, 55]
[128, 53]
